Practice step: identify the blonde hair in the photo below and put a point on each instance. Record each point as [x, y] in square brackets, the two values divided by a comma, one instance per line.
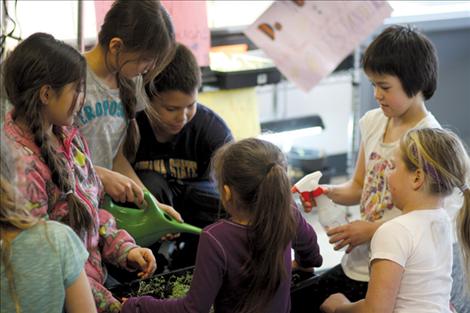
[443, 157]
[13, 215]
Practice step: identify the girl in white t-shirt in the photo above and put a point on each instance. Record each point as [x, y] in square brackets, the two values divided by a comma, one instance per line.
[411, 255]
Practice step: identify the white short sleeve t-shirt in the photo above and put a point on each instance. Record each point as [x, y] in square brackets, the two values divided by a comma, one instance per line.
[420, 242]
[103, 119]
[376, 201]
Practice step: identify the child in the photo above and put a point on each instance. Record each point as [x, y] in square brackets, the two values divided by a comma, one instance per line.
[58, 264]
[136, 40]
[44, 82]
[411, 255]
[402, 66]
[244, 263]
[178, 137]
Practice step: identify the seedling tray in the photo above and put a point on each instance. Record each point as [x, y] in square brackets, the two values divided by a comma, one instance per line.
[175, 284]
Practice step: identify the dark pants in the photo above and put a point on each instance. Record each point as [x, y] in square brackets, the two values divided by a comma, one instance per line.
[309, 298]
[198, 203]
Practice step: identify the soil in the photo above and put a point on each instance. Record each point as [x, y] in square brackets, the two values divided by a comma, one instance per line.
[176, 284]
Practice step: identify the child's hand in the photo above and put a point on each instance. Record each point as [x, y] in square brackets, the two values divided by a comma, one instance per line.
[171, 236]
[121, 188]
[310, 203]
[144, 259]
[333, 302]
[297, 267]
[169, 210]
[352, 234]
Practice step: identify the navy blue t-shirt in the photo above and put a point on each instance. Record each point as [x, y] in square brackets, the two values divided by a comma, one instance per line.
[187, 156]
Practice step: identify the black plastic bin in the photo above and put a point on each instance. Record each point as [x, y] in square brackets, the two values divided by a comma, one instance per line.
[299, 281]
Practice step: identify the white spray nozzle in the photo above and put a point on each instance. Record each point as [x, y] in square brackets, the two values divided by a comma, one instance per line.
[308, 183]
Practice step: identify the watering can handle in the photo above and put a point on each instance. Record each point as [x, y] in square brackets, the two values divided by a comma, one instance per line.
[151, 204]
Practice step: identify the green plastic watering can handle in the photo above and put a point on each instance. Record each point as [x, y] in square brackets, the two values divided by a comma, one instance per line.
[149, 223]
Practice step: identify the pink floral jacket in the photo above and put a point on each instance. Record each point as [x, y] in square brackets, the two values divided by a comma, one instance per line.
[106, 242]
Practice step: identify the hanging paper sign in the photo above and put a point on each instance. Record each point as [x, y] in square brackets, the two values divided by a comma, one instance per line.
[189, 20]
[307, 40]
[101, 8]
[191, 27]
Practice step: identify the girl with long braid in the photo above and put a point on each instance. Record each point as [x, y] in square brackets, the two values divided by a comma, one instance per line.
[44, 81]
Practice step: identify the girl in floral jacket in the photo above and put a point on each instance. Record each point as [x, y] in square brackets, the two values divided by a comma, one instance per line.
[44, 81]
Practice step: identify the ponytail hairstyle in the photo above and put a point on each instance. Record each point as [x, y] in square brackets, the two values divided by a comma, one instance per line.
[442, 156]
[13, 214]
[145, 27]
[256, 172]
[37, 61]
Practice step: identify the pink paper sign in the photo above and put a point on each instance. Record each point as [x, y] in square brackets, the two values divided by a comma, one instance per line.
[191, 27]
[308, 39]
[101, 8]
[189, 19]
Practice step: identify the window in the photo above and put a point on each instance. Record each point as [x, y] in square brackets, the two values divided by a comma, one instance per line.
[59, 18]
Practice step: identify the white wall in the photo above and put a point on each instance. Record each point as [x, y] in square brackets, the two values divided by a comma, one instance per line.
[331, 99]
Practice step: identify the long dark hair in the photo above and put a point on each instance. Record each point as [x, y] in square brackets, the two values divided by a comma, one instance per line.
[255, 171]
[37, 61]
[144, 27]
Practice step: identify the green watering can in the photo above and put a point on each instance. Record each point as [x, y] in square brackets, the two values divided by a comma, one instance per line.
[148, 224]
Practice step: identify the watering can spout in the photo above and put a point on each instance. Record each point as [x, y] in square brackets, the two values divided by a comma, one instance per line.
[149, 223]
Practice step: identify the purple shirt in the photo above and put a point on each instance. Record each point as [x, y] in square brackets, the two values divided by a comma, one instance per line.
[221, 253]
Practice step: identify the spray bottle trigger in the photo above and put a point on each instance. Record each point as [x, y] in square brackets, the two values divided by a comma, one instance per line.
[309, 196]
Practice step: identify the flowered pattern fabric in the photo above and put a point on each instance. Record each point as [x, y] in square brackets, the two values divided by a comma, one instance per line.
[105, 243]
[376, 198]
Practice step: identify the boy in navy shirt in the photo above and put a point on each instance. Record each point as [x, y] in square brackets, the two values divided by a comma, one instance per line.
[178, 137]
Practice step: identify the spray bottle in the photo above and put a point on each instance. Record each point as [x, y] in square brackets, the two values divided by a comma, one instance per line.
[329, 214]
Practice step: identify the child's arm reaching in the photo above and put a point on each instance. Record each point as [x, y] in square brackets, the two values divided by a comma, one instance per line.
[119, 248]
[120, 187]
[144, 259]
[207, 280]
[381, 294]
[348, 193]
[390, 250]
[352, 234]
[122, 165]
[307, 251]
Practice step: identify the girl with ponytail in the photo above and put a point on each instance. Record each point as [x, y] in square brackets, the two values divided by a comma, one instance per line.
[243, 263]
[45, 83]
[135, 43]
[411, 255]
